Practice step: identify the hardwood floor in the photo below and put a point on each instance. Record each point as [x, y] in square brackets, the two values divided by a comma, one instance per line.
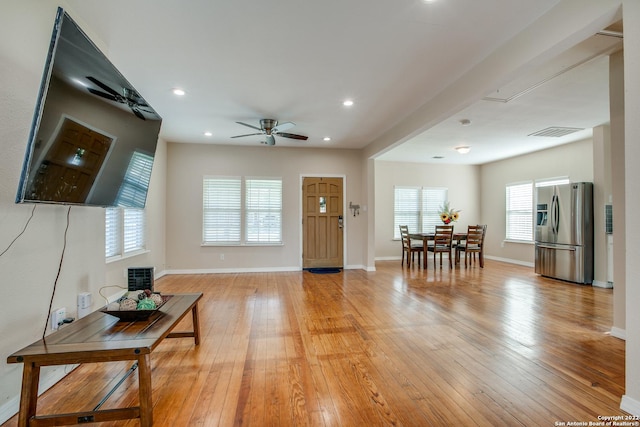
[498, 346]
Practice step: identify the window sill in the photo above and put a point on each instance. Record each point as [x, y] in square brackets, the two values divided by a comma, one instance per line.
[125, 256]
[523, 242]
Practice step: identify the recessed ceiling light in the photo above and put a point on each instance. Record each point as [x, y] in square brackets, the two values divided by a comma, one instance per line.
[348, 103]
[463, 149]
[429, 1]
[326, 138]
[208, 134]
[178, 91]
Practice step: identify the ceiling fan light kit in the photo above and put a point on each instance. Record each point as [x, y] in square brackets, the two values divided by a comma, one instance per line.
[270, 128]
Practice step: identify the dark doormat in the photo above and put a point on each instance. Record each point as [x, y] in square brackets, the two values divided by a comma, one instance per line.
[324, 270]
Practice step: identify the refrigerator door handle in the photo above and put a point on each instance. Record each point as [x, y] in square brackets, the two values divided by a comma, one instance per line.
[555, 214]
[571, 248]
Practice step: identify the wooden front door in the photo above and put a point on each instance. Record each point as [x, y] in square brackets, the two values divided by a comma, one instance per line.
[323, 223]
[72, 162]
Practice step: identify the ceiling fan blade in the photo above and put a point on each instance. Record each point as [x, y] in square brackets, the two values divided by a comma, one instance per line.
[138, 113]
[103, 86]
[249, 134]
[271, 140]
[251, 126]
[293, 136]
[103, 94]
[283, 126]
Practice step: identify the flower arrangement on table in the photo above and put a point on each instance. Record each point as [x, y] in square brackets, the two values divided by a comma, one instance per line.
[449, 215]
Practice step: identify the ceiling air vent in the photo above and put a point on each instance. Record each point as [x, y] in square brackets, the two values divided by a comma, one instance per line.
[555, 132]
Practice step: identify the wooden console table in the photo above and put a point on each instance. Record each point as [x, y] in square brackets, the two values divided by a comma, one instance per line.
[100, 337]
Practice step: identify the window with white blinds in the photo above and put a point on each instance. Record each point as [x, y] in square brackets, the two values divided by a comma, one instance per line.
[112, 232]
[519, 211]
[221, 210]
[124, 231]
[263, 210]
[133, 192]
[134, 230]
[418, 208]
[406, 209]
[433, 199]
[237, 211]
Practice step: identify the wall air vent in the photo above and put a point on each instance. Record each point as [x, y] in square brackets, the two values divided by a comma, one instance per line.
[555, 132]
[140, 278]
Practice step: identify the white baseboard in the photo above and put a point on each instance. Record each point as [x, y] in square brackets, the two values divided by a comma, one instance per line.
[618, 333]
[253, 270]
[630, 405]
[511, 261]
[233, 270]
[507, 260]
[47, 380]
[599, 284]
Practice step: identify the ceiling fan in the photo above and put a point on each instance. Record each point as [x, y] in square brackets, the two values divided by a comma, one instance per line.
[129, 97]
[270, 128]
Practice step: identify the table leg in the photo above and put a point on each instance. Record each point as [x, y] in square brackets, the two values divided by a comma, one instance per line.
[196, 324]
[144, 384]
[425, 244]
[29, 393]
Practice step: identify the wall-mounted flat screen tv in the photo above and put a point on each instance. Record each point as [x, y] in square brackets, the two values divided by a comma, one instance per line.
[93, 137]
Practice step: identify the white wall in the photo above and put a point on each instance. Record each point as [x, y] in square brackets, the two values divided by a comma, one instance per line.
[29, 268]
[467, 183]
[189, 163]
[463, 183]
[631, 400]
[573, 160]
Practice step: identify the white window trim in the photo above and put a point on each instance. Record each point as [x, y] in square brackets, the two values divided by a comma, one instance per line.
[531, 210]
[421, 211]
[243, 242]
[120, 238]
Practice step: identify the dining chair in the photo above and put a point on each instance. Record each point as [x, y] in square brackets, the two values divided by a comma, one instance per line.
[472, 245]
[442, 243]
[408, 248]
[481, 254]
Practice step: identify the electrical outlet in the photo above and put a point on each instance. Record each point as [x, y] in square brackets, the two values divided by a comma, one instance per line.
[57, 316]
[221, 257]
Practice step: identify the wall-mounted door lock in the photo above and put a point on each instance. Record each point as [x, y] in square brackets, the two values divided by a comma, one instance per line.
[340, 221]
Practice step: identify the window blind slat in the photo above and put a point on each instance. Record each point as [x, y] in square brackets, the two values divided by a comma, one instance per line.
[519, 212]
[418, 208]
[228, 218]
[133, 192]
[263, 214]
[124, 231]
[112, 232]
[221, 216]
[134, 227]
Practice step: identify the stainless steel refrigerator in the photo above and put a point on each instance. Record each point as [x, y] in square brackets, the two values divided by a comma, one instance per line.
[564, 232]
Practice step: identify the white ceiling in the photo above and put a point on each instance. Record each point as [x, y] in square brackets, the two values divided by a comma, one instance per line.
[297, 60]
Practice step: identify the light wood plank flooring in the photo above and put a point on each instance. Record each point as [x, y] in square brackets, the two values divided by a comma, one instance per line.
[498, 346]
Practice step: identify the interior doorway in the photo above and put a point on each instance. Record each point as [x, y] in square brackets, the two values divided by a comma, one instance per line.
[322, 222]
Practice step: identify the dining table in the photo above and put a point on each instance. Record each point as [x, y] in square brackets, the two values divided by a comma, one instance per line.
[426, 237]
